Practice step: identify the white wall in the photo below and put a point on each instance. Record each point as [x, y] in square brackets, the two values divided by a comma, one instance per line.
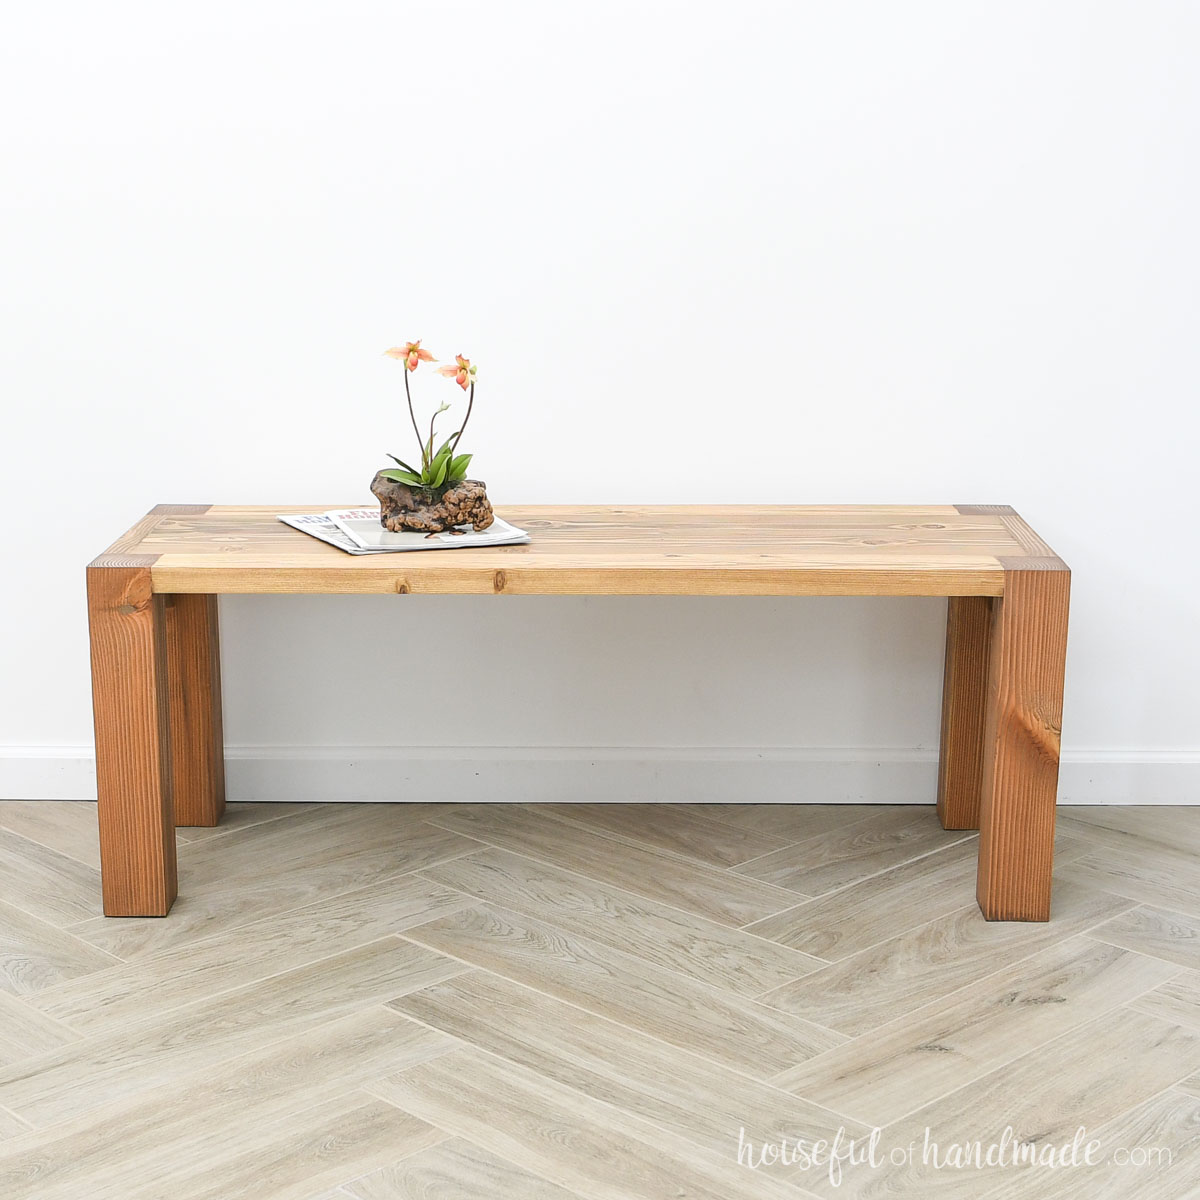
[803, 252]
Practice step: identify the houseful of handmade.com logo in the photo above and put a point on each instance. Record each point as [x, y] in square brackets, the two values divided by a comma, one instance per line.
[842, 1153]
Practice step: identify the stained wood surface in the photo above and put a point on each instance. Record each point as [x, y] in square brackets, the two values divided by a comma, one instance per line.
[964, 711]
[133, 767]
[1022, 736]
[600, 1044]
[194, 708]
[739, 550]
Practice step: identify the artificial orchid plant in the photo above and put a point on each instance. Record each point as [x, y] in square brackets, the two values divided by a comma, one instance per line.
[444, 465]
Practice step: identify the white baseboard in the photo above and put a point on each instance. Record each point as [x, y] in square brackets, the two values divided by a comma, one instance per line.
[865, 775]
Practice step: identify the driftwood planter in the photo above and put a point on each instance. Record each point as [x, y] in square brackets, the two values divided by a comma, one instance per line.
[405, 509]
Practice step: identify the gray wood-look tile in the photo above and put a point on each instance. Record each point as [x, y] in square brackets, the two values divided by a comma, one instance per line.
[1176, 1000]
[715, 895]
[845, 856]
[1148, 873]
[928, 962]
[1171, 936]
[271, 868]
[11, 1125]
[35, 955]
[616, 1064]
[26, 1033]
[881, 906]
[672, 828]
[111, 998]
[906, 1063]
[668, 937]
[565, 1136]
[1088, 1077]
[240, 816]
[53, 887]
[1120, 825]
[60, 1084]
[340, 1138]
[214, 1108]
[455, 1170]
[1159, 1147]
[66, 826]
[791, 822]
[720, 1026]
[441, 1002]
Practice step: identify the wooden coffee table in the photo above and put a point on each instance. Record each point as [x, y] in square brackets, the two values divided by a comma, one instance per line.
[152, 602]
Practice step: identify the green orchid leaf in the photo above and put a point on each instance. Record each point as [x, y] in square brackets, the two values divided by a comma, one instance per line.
[440, 459]
[402, 463]
[440, 474]
[458, 466]
[409, 477]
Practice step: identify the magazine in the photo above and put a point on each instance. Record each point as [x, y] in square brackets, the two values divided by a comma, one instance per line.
[358, 531]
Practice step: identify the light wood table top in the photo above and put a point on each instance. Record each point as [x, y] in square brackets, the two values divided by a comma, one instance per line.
[728, 550]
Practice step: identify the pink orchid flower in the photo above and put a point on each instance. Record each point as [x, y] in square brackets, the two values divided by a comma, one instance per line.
[462, 372]
[412, 354]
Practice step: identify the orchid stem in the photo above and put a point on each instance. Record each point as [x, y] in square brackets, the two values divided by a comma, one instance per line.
[412, 416]
[458, 435]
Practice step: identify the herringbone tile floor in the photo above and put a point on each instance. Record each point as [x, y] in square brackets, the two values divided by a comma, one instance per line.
[594, 1002]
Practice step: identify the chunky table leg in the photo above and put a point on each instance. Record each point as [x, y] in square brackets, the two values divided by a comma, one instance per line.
[194, 691]
[964, 707]
[1021, 740]
[133, 770]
